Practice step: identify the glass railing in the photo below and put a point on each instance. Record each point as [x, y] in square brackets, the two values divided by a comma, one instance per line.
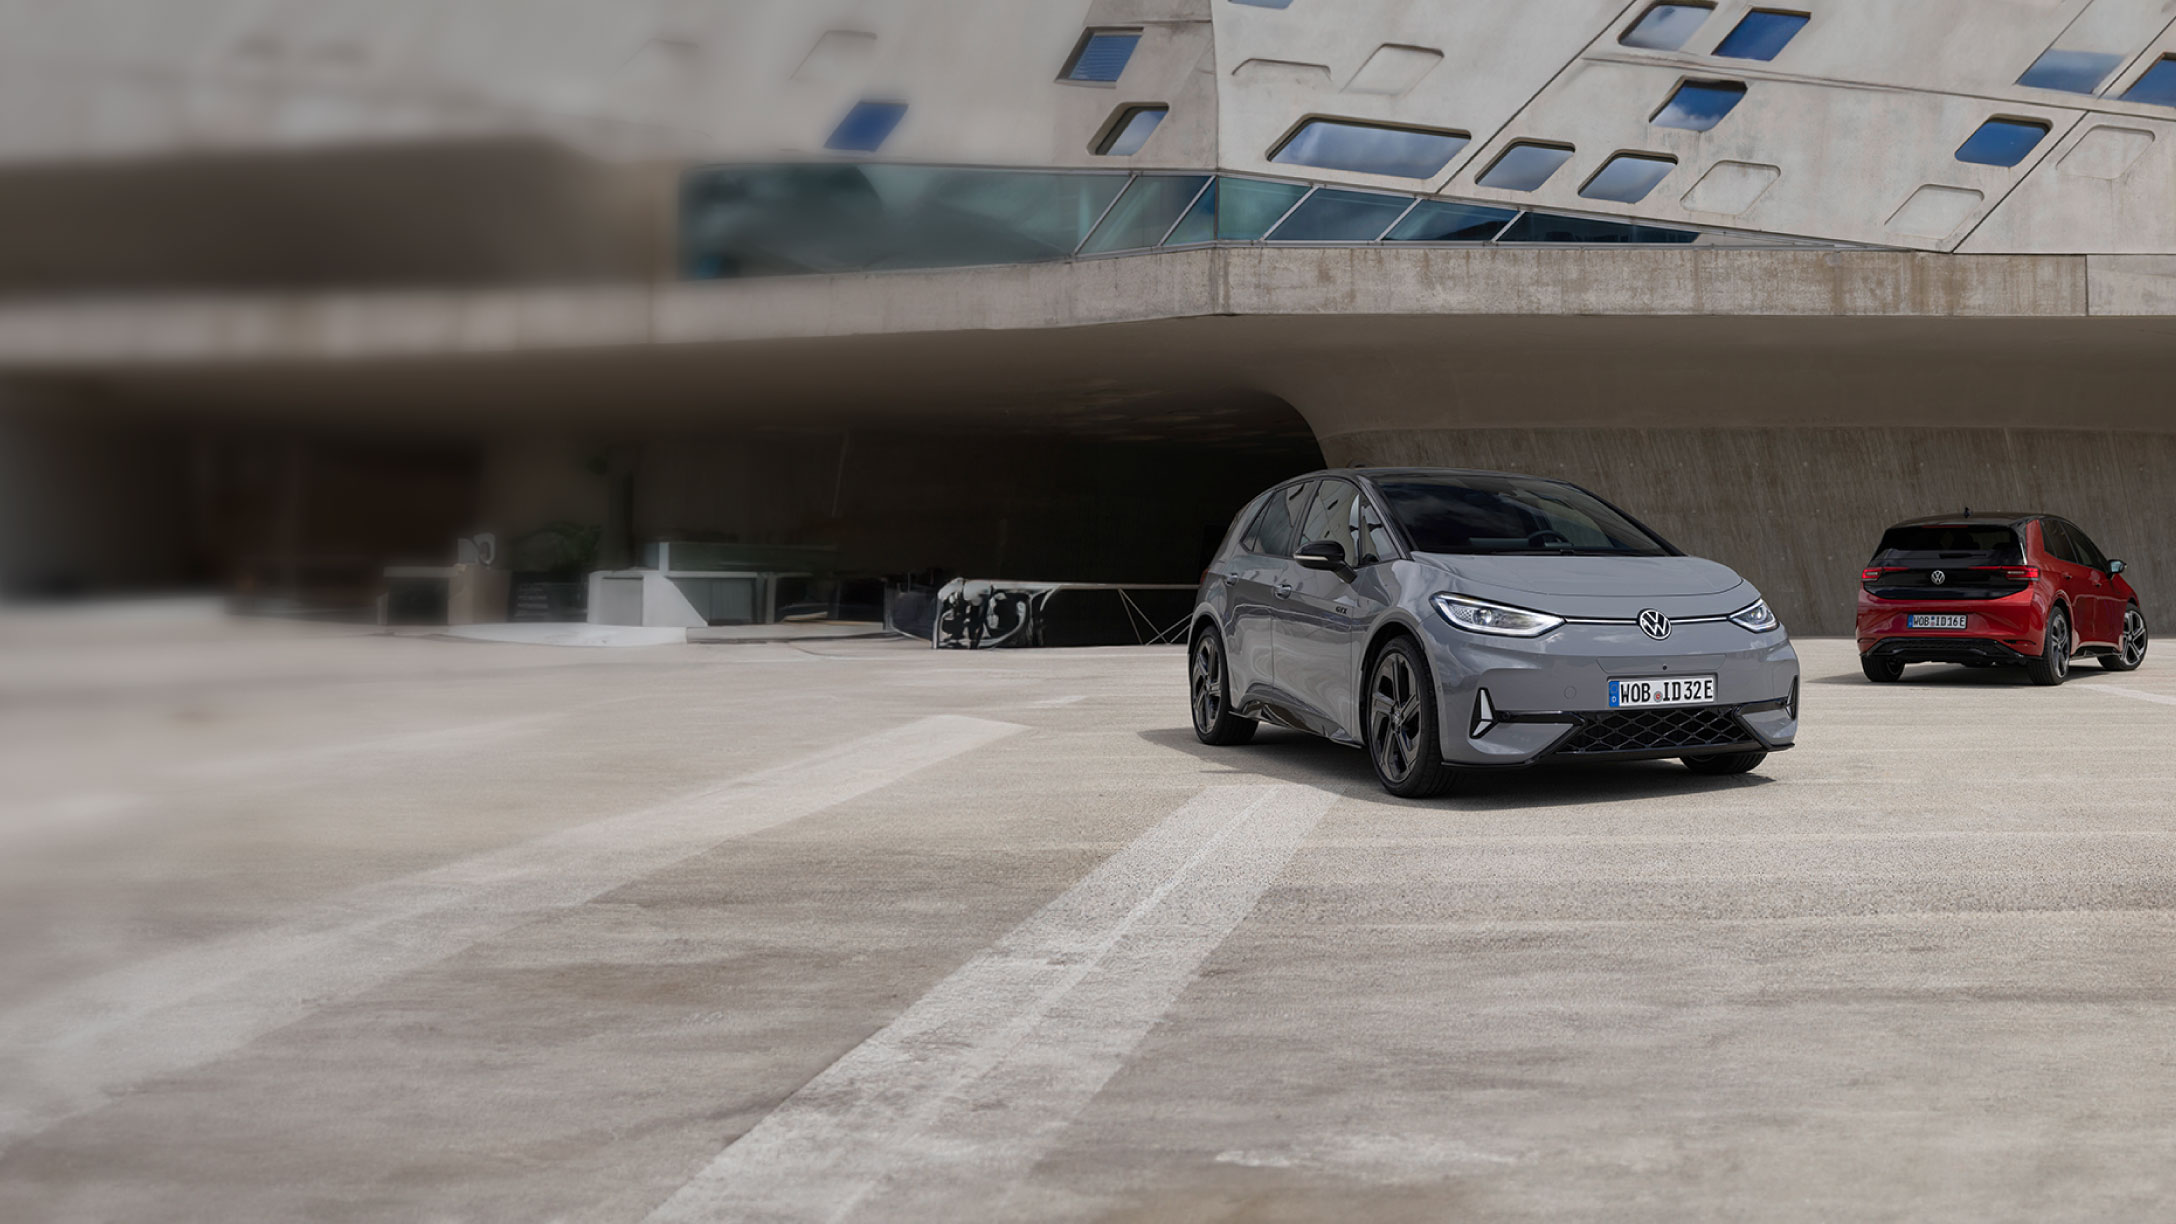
[775, 220]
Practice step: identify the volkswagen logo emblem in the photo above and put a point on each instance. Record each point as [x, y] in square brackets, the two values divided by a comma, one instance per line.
[1654, 624]
[1940, 577]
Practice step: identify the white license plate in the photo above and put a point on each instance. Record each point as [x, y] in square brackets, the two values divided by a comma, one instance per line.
[1661, 691]
[1937, 620]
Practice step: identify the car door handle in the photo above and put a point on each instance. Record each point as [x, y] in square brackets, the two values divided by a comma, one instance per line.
[1230, 577]
[1285, 589]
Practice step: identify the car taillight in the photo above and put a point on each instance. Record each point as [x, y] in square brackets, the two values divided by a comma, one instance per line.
[2021, 573]
[1872, 573]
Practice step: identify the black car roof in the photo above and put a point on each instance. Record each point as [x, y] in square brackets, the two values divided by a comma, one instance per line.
[2002, 518]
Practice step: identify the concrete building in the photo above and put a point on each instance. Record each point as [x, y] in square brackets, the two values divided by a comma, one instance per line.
[296, 289]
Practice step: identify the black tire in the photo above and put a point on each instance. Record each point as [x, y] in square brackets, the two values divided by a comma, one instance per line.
[1726, 762]
[1881, 671]
[1400, 723]
[2053, 665]
[2131, 650]
[1209, 688]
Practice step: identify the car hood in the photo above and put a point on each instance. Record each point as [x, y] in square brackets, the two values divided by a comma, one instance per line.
[1598, 586]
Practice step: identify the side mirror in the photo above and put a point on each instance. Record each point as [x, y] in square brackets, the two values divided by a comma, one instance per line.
[2115, 567]
[1322, 555]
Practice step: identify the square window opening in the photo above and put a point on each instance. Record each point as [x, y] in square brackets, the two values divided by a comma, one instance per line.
[866, 127]
[1129, 129]
[1628, 177]
[1762, 34]
[2078, 72]
[1698, 106]
[1526, 165]
[2002, 142]
[1101, 57]
[1666, 27]
[1369, 148]
[2157, 87]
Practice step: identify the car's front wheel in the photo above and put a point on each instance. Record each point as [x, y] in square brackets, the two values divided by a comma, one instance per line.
[2131, 651]
[1881, 671]
[2053, 665]
[1210, 693]
[1725, 762]
[1401, 723]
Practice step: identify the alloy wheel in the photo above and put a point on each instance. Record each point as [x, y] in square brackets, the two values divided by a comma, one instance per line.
[1394, 729]
[1208, 682]
[2134, 638]
[2059, 644]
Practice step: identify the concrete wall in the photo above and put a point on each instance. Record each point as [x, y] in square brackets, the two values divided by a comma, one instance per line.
[1798, 511]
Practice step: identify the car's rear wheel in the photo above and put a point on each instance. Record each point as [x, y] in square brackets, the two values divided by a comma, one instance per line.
[1210, 692]
[2131, 651]
[2053, 665]
[1881, 671]
[1726, 762]
[1401, 723]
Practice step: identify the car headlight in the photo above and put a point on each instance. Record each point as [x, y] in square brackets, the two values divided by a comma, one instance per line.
[1756, 617]
[1481, 616]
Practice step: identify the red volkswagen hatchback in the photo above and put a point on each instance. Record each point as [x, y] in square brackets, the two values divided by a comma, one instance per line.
[1987, 590]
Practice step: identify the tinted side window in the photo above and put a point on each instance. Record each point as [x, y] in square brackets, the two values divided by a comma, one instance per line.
[2081, 543]
[2058, 542]
[1368, 530]
[1331, 517]
[1276, 531]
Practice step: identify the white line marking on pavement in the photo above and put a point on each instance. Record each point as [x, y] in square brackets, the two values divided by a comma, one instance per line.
[957, 1099]
[2138, 694]
[69, 1052]
[1050, 702]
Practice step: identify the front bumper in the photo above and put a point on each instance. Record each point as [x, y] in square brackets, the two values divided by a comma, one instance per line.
[1550, 695]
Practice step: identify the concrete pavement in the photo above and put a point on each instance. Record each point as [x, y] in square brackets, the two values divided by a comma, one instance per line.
[300, 923]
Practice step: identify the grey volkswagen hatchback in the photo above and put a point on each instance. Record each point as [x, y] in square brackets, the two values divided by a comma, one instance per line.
[1449, 621]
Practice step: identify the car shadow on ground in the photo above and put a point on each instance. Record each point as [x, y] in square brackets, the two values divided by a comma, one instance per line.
[1293, 756]
[1938, 675]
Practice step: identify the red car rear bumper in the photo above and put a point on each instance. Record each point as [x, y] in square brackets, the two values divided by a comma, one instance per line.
[2018, 622]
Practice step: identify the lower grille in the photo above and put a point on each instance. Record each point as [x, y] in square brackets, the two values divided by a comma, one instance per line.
[1656, 730]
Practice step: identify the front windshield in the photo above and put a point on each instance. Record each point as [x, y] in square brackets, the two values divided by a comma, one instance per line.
[1511, 516]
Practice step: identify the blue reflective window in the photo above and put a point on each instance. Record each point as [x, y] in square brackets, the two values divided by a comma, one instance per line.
[1341, 216]
[1628, 177]
[1101, 57]
[1443, 221]
[2001, 142]
[1762, 34]
[1132, 130]
[1699, 105]
[1246, 208]
[866, 127]
[1145, 212]
[1547, 227]
[1366, 148]
[2157, 87]
[1665, 27]
[2070, 71]
[1525, 166]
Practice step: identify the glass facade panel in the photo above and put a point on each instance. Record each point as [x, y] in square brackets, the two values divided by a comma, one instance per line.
[1761, 35]
[1365, 148]
[1699, 105]
[1133, 131]
[2070, 71]
[1277, 4]
[1102, 57]
[2157, 87]
[1341, 216]
[1144, 213]
[1547, 227]
[1199, 223]
[1628, 177]
[1246, 208]
[2001, 142]
[1665, 27]
[866, 127]
[1443, 221]
[1525, 166]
